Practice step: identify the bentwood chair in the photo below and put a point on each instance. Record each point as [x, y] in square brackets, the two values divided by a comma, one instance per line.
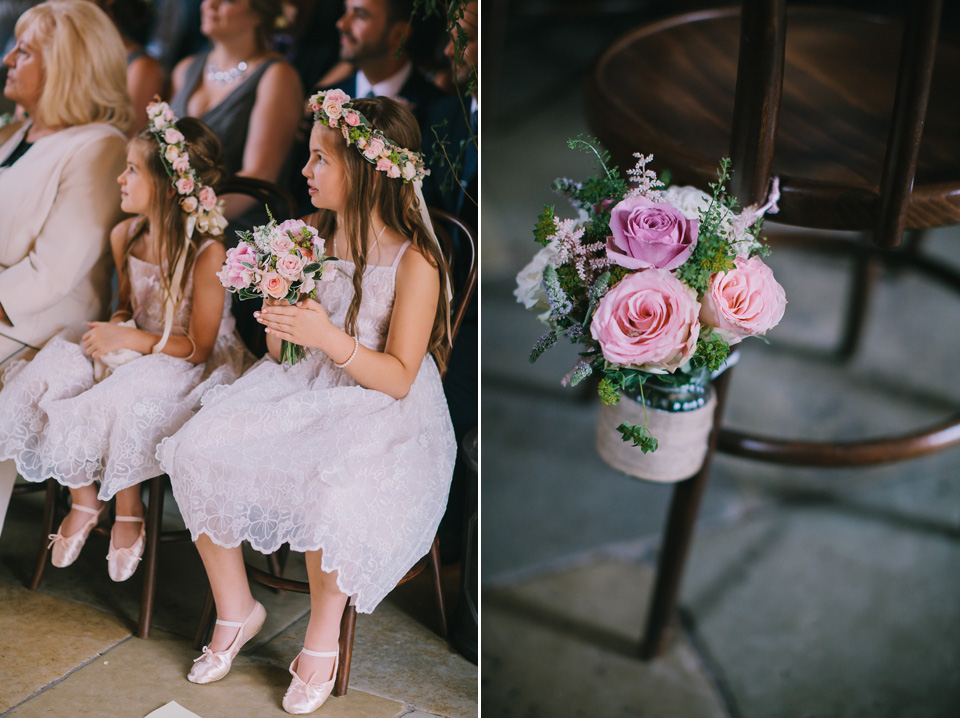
[282, 206]
[858, 115]
[458, 240]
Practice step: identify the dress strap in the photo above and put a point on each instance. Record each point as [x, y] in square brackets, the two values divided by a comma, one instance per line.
[204, 246]
[403, 249]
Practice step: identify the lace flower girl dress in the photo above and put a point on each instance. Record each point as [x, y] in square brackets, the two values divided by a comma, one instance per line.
[303, 455]
[57, 421]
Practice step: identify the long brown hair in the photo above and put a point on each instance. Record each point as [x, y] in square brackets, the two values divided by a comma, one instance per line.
[206, 158]
[368, 188]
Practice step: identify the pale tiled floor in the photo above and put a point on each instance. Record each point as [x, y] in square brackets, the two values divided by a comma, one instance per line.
[67, 649]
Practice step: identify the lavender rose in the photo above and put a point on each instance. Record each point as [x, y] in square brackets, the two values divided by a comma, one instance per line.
[743, 302]
[650, 235]
[649, 320]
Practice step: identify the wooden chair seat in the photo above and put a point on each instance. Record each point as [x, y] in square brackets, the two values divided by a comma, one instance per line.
[668, 88]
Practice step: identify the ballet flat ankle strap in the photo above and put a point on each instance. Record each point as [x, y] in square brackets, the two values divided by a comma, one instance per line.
[85, 509]
[320, 654]
[128, 518]
[235, 624]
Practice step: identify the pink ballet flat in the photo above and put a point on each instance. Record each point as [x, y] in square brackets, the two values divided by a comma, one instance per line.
[123, 562]
[67, 548]
[212, 666]
[304, 697]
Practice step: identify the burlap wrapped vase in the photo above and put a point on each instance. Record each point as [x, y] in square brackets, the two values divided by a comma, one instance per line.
[682, 433]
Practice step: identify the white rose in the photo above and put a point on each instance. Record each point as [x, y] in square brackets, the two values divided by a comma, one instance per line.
[171, 153]
[529, 291]
[689, 200]
[409, 171]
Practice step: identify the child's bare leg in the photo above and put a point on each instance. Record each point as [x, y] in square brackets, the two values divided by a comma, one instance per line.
[81, 496]
[126, 533]
[231, 591]
[327, 602]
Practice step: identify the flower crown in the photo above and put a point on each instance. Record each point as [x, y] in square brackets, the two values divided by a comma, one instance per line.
[198, 200]
[333, 108]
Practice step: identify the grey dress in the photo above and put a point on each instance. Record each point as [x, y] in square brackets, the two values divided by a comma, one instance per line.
[230, 121]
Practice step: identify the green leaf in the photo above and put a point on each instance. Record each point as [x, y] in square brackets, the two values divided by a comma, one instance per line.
[545, 228]
[639, 435]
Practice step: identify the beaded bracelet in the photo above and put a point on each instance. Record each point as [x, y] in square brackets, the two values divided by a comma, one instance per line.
[356, 345]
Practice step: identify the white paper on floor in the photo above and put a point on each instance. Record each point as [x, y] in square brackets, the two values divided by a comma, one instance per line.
[172, 710]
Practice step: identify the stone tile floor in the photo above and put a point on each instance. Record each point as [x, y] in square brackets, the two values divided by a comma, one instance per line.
[67, 649]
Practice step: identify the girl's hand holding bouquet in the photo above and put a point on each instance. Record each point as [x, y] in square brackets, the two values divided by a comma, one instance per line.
[280, 263]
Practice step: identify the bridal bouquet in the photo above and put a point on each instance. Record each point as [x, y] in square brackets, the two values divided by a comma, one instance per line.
[655, 282]
[279, 261]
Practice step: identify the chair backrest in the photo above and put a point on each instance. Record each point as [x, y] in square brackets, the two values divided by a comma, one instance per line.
[278, 199]
[459, 244]
[759, 89]
[282, 206]
[857, 113]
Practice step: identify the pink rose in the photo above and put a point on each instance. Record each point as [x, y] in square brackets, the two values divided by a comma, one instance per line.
[333, 104]
[648, 320]
[208, 198]
[172, 136]
[385, 165]
[289, 267]
[185, 185]
[291, 227]
[374, 148]
[650, 234]
[273, 285]
[181, 163]
[743, 302]
[280, 243]
[234, 274]
[352, 119]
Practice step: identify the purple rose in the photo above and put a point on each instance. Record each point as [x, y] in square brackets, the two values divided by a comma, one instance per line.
[650, 235]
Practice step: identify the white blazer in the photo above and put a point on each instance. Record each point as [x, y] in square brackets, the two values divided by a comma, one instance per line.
[58, 203]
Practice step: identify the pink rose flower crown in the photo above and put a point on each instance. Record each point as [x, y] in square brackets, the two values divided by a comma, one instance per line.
[199, 202]
[334, 109]
[656, 283]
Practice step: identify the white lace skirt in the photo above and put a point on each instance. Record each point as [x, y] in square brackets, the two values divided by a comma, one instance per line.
[303, 455]
[56, 421]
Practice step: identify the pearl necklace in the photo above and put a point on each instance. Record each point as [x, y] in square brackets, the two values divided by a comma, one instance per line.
[226, 77]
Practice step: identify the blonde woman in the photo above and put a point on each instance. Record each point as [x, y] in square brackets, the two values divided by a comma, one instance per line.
[58, 192]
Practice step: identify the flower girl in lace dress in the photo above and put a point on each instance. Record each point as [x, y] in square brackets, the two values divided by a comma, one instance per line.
[346, 454]
[94, 403]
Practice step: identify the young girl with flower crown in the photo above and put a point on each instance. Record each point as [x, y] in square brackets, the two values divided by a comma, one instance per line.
[96, 400]
[346, 454]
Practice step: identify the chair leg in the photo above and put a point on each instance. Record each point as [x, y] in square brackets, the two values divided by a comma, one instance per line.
[154, 518]
[348, 624]
[435, 573]
[205, 622]
[864, 280]
[677, 537]
[49, 518]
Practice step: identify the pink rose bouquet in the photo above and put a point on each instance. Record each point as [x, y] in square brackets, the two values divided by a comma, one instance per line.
[656, 283]
[279, 261]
